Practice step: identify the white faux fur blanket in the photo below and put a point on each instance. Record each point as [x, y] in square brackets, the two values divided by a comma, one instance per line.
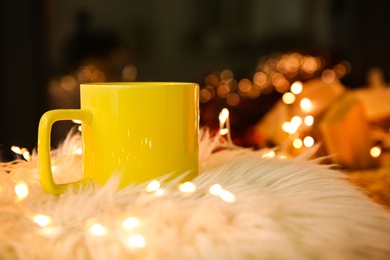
[265, 208]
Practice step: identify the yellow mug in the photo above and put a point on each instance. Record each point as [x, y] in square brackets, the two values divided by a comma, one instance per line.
[142, 130]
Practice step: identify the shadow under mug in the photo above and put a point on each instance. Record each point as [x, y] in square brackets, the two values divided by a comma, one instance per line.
[141, 130]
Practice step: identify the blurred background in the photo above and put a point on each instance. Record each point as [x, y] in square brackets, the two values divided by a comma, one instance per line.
[49, 47]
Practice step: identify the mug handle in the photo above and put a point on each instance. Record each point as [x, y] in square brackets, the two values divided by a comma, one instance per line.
[44, 132]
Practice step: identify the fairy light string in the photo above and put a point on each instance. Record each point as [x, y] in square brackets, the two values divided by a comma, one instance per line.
[130, 226]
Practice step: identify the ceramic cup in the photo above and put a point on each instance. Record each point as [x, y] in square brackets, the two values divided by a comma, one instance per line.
[140, 130]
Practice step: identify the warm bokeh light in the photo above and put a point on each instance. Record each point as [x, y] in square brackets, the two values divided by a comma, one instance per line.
[211, 91]
[282, 85]
[135, 241]
[308, 141]
[289, 63]
[153, 186]
[244, 85]
[306, 105]
[159, 192]
[42, 220]
[223, 116]
[223, 131]
[269, 154]
[212, 80]
[292, 126]
[328, 76]
[204, 95]
[129, 72]
[187, 187]
[340, 70]
[347, 65]
[296, 87]
[310, 64]
[309, 120]
[21, 151]
[84, 73]
[227, 196]
[223, 90]
[297, 143]
[50, 231]
[375, 151]
[296, 120]
[98, 76]
[26, 155]
[16, 149]
[130, 222]
[260, 79]
[21, 190]
[254, 92]
[226, 74]
[233, 99]
[275, 77]
[97, 229]
[275, 72]
[288, 98]
[79, 151]
[68, 83]
[215, 189]
[288, 128]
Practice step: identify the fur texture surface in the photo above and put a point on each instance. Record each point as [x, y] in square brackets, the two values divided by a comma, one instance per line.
[282, 209]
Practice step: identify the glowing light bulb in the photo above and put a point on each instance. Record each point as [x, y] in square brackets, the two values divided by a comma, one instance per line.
[308, 141]
[296, 87]
[288, 127]
[296, 120]
[21, 190]
[270, 154]
[223, 115]
[309, 120]
[375, 151]
[288, 98]
[215, 189]
[78, 151]
[223, 131]
[292, 126]
[227, 196]
[328, 76]
[153, 186]
[135, 241]
[22, 151]
[130, 222]
[297, 143]
[187, 187]
[306, 105]
[159, 192]
[50, 231]
[42, 220]
[98, 230]
[16, 149]
[26, 155]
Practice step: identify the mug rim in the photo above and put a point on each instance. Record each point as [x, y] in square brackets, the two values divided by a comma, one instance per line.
[139, 83]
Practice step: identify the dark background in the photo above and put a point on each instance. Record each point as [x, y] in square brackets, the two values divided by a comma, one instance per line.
[172, 40]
